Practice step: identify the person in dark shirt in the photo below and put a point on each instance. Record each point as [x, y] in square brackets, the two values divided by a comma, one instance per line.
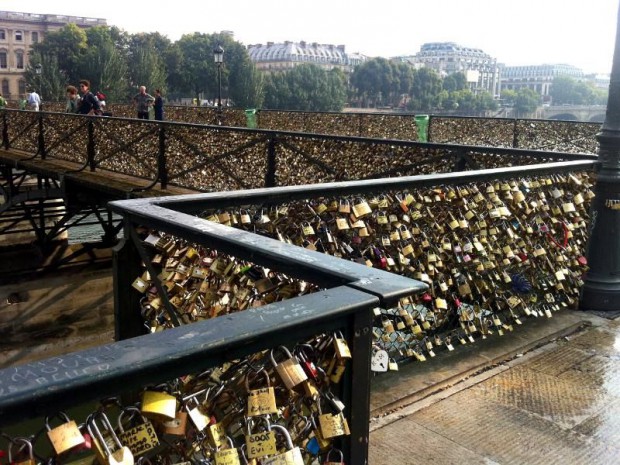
[158, 106]
[89, 105]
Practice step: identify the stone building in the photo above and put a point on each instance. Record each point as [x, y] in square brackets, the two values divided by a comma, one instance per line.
[18, 32]
[539, 78]
[447, 58]
[285, 56]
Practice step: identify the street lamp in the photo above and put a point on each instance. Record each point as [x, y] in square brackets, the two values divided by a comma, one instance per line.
[38, 70]
[218, 55]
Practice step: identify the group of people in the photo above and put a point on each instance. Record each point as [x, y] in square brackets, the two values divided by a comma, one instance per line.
[89, 103]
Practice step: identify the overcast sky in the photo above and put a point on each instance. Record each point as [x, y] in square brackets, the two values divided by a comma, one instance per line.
[523, 32]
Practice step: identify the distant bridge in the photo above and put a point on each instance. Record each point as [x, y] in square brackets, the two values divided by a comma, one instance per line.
[590, 113]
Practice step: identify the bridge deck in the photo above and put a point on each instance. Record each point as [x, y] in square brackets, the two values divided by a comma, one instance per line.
[114, 184]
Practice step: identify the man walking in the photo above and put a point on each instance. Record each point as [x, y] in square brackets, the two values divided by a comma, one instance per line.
[143, 101]
[34, 101]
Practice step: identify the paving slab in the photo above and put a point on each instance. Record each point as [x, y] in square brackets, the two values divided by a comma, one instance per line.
[558, 403]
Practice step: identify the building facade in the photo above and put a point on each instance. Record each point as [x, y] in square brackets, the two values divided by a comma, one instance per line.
[274, 57]
[18, 33]
[481, 70]
[539, 78]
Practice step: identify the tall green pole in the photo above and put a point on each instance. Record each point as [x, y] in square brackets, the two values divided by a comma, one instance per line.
[601, 290]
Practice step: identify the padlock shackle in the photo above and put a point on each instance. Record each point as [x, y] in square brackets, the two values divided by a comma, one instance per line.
[14, 441]
[287, 435]
[250, 423]
[132, 411]
[256, 373]
[62, 415]
[329, 454]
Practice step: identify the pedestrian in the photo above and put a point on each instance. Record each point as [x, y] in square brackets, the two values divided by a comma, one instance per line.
[101, 96]
[143, 101]
[73, 100]
[159, 105]
[23, 102]
[34, 101]
[89, 105]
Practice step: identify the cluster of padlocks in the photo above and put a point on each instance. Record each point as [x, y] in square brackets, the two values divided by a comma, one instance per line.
[492, 253]
[278, 406]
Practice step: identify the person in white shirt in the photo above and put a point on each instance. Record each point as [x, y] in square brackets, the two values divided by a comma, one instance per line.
[34, 101]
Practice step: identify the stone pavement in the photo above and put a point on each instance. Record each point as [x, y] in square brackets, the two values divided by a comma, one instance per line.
[548, 394]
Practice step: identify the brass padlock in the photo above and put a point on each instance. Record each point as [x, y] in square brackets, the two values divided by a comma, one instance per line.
[261, 401]
[64, 437]
[290, 371]
[121, 456]
[195, 413]
[159, 405]
[260, 444]
[292, 456]
[140, 437]
[228, 456]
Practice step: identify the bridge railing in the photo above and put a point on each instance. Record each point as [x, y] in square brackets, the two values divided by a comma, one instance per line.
[496, 247]
[524, 133]
[336, 304]
[217, 158]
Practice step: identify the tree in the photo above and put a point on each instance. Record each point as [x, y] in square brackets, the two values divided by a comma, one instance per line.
[373, 80]
[306, 87]
[51, 82]
[454, 82]
[68, 45]
[527, 101]
[104, 65]
[426, 86]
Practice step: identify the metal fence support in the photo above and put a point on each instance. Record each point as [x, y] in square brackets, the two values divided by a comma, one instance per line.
[601, 290]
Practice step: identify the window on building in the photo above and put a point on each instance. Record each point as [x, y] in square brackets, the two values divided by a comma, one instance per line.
[3, 60]
[19, 59]
[2, 34]
[5, 87]
[22, 87]
[35, 37]
[19, 36]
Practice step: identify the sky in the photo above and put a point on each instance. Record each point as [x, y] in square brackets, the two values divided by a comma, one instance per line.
[523, 32]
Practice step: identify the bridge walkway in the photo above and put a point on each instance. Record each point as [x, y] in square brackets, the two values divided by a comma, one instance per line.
[111, 184]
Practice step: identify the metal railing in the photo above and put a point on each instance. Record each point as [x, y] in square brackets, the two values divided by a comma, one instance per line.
[532, 134]
[215, 158]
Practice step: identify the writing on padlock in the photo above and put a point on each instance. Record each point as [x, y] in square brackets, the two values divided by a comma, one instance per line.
[260, 444]
[261, 401]
[141, 436]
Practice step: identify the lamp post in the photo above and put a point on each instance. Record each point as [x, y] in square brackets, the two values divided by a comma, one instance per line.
[38, 70]
[218, 55]
[601, 290]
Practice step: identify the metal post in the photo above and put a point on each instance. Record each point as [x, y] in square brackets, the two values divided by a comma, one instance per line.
[128, 322]
[602, 282]
[219, 94]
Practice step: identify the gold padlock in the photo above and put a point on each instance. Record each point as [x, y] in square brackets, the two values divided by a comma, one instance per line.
[140, 437]
[228, 456]
[64, 437]
[292, 455]
[121, 456]
[159, 405]
[290, 371]
[261, 401]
